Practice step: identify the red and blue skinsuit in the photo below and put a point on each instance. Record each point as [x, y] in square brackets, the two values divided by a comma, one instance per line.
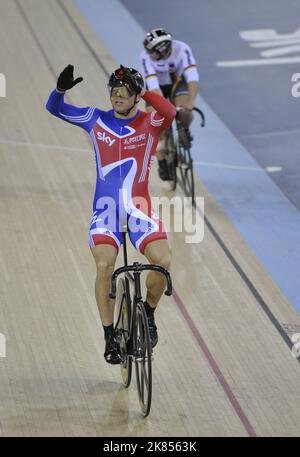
[123, 151]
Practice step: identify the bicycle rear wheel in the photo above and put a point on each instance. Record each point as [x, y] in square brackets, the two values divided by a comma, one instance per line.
[143, 360]
[171, 156]
[122, 329]
[185, 165]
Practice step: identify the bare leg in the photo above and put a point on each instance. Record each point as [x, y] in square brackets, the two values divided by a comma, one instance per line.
[105, 258]
[158, 253]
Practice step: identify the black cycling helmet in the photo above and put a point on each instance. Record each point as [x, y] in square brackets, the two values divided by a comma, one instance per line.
[158, 41]
[131, 79]
[128, 77]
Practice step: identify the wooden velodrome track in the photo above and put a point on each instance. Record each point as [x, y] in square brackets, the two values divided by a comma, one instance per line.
[223, 366]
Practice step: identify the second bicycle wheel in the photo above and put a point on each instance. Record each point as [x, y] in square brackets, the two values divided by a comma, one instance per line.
[122, 329]
[171, 157]
[143, 360]
[185, 165]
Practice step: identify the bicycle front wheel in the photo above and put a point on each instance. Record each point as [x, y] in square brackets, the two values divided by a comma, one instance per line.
[143, 360]
[122, 329]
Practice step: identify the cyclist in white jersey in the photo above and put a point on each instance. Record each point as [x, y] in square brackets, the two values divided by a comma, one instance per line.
[170, 69]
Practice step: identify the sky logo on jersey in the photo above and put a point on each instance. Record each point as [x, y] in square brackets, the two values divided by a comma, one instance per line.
[101, 136]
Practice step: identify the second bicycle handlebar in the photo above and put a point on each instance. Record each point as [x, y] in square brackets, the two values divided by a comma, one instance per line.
[179, 108]
[138, 267]
[201, 114]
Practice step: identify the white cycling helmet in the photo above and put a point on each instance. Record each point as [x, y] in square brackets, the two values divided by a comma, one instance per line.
[158, 41]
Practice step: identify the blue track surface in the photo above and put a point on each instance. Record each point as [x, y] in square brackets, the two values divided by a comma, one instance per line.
[268, 221]
[253, 100]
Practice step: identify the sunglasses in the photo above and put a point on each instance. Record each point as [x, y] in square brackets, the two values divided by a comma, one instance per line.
[155, 55]
[120, 91]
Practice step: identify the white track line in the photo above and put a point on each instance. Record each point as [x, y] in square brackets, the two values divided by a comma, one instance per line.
[247, 63]
[43, 146]
[68, 148]
[269, 169]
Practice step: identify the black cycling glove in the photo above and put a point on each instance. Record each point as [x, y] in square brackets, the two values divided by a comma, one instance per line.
[66, 79]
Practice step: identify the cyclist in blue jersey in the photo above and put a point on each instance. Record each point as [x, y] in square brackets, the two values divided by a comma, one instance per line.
[124, 141]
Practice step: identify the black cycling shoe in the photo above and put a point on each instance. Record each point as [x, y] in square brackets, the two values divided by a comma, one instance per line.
[163, 170]
[152, 330]
[112, 353]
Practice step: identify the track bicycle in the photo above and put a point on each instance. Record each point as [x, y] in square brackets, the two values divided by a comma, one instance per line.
[177, 148]
[131, 326]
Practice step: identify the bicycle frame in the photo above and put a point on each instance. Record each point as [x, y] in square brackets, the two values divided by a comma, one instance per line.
[135, 343]
[136, 269]
[178, 155]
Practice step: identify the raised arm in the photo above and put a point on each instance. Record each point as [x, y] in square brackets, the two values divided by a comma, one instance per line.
[165, 110]
[84, 117]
